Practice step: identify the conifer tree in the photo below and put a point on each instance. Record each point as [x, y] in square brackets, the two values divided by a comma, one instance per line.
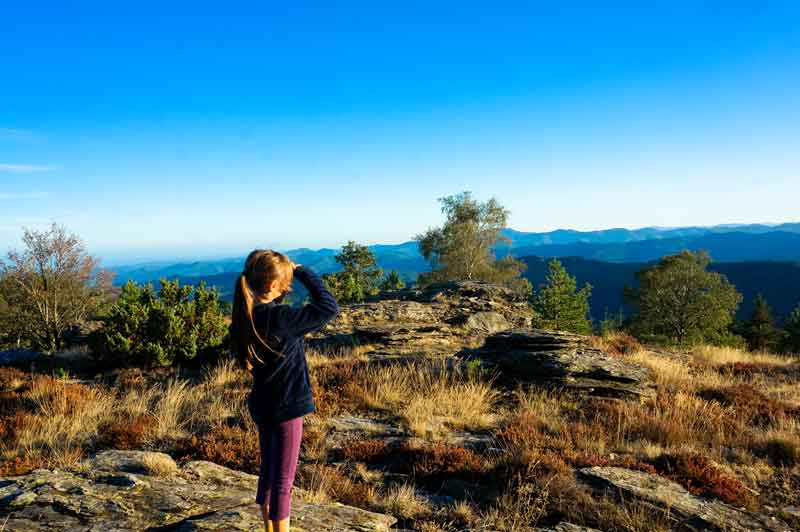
[759, 330]
[558, 305]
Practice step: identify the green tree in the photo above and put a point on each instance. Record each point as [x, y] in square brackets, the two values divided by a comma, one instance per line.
[360, 275]
[462, 249]
[174, 325]
[679, 299]
[392, 281]
[760, 331]
[51, 287]
[791, 338]
[559, 305]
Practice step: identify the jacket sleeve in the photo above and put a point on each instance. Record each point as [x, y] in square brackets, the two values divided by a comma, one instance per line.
[314, 315]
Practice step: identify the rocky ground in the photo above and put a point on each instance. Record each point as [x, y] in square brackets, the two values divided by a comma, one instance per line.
[438, 410]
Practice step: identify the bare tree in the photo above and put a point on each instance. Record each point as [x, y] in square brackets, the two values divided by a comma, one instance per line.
[56, 285]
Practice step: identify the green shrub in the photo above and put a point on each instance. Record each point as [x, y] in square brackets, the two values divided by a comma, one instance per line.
[175, 324]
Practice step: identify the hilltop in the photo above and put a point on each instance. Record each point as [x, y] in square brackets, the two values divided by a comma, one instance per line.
[438, 410]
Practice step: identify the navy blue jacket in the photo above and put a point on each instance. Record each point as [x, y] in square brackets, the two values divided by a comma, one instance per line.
[281, 387]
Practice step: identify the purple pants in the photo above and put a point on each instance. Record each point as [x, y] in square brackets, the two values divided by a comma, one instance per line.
[280, 449]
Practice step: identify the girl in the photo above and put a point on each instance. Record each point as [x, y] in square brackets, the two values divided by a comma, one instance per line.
[267, 338]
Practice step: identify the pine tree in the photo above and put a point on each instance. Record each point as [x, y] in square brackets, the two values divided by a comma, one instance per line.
[759, 330]
[558, 305]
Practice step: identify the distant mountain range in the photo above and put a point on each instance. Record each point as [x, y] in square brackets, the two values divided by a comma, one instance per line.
[725, 243]
[755, 258]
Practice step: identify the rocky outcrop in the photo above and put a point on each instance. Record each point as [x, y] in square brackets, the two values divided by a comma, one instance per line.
[484, 321]
[120, 491]
[691, 513]
[564, 360]
[438, 320]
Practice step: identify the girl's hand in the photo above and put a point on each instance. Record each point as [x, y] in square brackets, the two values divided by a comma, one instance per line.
[295, 266]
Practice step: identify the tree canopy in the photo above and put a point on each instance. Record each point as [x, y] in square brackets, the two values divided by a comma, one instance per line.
[360, 275]
[50, 287]
[462, 248]
[680, 299]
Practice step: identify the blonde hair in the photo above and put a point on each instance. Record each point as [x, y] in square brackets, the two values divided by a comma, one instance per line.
[262, 267]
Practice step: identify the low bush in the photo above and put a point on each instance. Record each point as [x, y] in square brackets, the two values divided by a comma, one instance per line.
[233, 447]
[147, 328]
[698, 474]
[130, 432]
[750, 404]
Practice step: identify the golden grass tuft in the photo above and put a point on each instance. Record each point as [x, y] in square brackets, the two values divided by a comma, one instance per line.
[429, 396]
[402, 501]
[719, 356]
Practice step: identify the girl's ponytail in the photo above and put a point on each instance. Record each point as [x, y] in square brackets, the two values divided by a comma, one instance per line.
[244, 334]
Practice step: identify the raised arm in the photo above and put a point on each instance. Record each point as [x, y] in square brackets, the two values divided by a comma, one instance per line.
[314, 315]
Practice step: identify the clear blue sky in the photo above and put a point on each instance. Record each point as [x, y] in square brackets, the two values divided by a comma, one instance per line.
[209, 128]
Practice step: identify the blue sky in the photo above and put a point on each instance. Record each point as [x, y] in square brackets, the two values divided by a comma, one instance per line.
[205, 129]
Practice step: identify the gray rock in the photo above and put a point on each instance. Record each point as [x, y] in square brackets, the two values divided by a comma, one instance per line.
[487, 322]
[439, 320]
[564, 360]
[691, 512]
[566, 527]
[119, 491]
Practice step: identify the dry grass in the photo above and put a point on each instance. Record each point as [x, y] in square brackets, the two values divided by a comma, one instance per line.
[722, 423]
[159, 465]
[719, 356]
[429, 396]
[402, 500]
[67, 418]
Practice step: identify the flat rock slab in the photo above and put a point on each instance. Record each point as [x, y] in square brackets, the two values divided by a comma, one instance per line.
[306, 517]
[120, 491]
[564, 360]
[691, 512]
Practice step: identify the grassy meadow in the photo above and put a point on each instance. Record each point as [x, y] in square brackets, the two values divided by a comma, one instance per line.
[445, 445]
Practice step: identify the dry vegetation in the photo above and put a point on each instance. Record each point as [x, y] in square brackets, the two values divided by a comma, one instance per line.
[724, 424]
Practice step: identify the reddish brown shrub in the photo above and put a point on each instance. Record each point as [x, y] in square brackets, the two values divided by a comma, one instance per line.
[622, 344]
[11, 425]
[232, 447]
[21, 465]
[366, 451]
[334, 386]
[12, 378]
[130, 378]
[580, 460]
[11, 402]
[751, 405]
[700, 476]
[129, 433]
[441, 460]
